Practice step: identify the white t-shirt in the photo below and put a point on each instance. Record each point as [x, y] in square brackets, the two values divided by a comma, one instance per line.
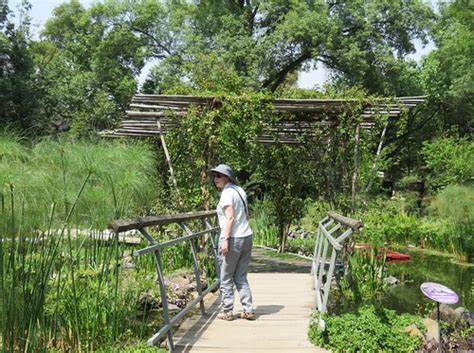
[230, 197]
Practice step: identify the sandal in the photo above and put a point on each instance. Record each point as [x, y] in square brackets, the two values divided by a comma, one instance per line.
[248, 315]
[226, 315]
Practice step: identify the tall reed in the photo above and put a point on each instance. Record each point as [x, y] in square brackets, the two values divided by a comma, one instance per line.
[456, 205]
[262, 222]
[59, 290]
[123, 180]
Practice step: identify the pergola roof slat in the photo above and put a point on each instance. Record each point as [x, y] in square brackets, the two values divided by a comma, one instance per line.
[306, 115]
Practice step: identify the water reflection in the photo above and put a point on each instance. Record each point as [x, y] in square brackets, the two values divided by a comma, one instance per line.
[425, 267]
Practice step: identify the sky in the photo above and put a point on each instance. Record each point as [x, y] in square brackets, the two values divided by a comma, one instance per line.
[43, 9]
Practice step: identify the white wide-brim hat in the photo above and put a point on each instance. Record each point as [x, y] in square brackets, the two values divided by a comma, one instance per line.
[223, 169]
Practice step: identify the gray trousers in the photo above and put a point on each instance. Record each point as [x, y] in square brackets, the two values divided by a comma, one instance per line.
[233, 271]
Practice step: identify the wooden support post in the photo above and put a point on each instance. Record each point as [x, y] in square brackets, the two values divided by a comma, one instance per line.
[374, 164]
[356, 166]
[168, 160]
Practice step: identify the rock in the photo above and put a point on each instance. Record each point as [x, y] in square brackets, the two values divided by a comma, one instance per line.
[446, 313]
[179, 280]
[412, 330]
[127, 262]
[147, 301]
[431, 329]
[460, 310]
[173, 309]
[391, 281]
[468, 317]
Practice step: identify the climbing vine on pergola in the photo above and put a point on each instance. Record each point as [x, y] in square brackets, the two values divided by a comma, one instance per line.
[293, 148]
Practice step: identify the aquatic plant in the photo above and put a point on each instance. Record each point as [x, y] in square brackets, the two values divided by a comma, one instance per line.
[456, 204]
[262, 222]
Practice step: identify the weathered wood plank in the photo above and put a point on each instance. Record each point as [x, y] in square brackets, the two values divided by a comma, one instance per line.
[349, 222]
[122, 225]
[283, 305]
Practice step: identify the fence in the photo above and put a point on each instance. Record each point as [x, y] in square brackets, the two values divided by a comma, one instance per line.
[327, 247]
[208, 232]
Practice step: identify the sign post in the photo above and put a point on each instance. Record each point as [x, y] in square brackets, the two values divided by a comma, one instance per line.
[440, 294]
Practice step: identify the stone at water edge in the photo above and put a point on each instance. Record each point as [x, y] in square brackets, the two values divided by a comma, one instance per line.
[390, 280]
[147, 301]
[412, 330]
[446, 313]
[431, 329]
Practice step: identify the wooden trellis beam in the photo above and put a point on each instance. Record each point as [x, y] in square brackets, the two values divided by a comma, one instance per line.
[308, 114]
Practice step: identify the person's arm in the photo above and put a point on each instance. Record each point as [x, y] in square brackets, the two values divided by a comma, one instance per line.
[229, 216]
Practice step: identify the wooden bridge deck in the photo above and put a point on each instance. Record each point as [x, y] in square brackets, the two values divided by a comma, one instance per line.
[283, 303]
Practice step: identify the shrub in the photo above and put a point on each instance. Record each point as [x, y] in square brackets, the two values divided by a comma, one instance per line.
[314, 211]
[369, 329]
[368, 274]
[262, 222]
[386, 222]
[456, 205]
[449, 160]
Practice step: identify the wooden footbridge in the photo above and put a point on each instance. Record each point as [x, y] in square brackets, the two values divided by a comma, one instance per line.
[283, 305]
[285, 292]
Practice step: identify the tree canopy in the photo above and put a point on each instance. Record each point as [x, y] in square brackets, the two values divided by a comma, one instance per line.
[265, 41]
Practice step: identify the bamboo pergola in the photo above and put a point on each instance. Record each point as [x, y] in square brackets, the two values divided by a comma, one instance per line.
[153, 115]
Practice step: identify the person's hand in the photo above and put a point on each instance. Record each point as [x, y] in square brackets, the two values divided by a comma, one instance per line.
[225, 247]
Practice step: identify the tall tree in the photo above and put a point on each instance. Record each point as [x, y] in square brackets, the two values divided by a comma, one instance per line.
[448, 71]
[18, 98]
[87, 66]
[266, 40]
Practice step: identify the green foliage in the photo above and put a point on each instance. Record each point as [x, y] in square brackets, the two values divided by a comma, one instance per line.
[447, 226]
[456, 204]
[369, 329]
[228, 132]
[386, 221]
[447, 71]
[314, 211]
[18, 98]
[262, 222]
[121, 182]
[449, 161]
[60, 290]
[303, 247]
[280, 171]
[66, 293]
[368, 273]
[205, 138]
[268, 42]
[87, 68]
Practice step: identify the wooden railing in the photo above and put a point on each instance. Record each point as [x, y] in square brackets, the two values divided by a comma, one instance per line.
[333, 230]
[208, 232]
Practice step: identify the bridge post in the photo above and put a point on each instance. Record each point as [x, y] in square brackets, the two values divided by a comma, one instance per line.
[326, 242]
[209, 231]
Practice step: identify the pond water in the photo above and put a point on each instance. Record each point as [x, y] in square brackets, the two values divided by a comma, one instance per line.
[427, 267]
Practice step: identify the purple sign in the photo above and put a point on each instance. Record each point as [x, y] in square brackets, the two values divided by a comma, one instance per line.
[439, 293]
